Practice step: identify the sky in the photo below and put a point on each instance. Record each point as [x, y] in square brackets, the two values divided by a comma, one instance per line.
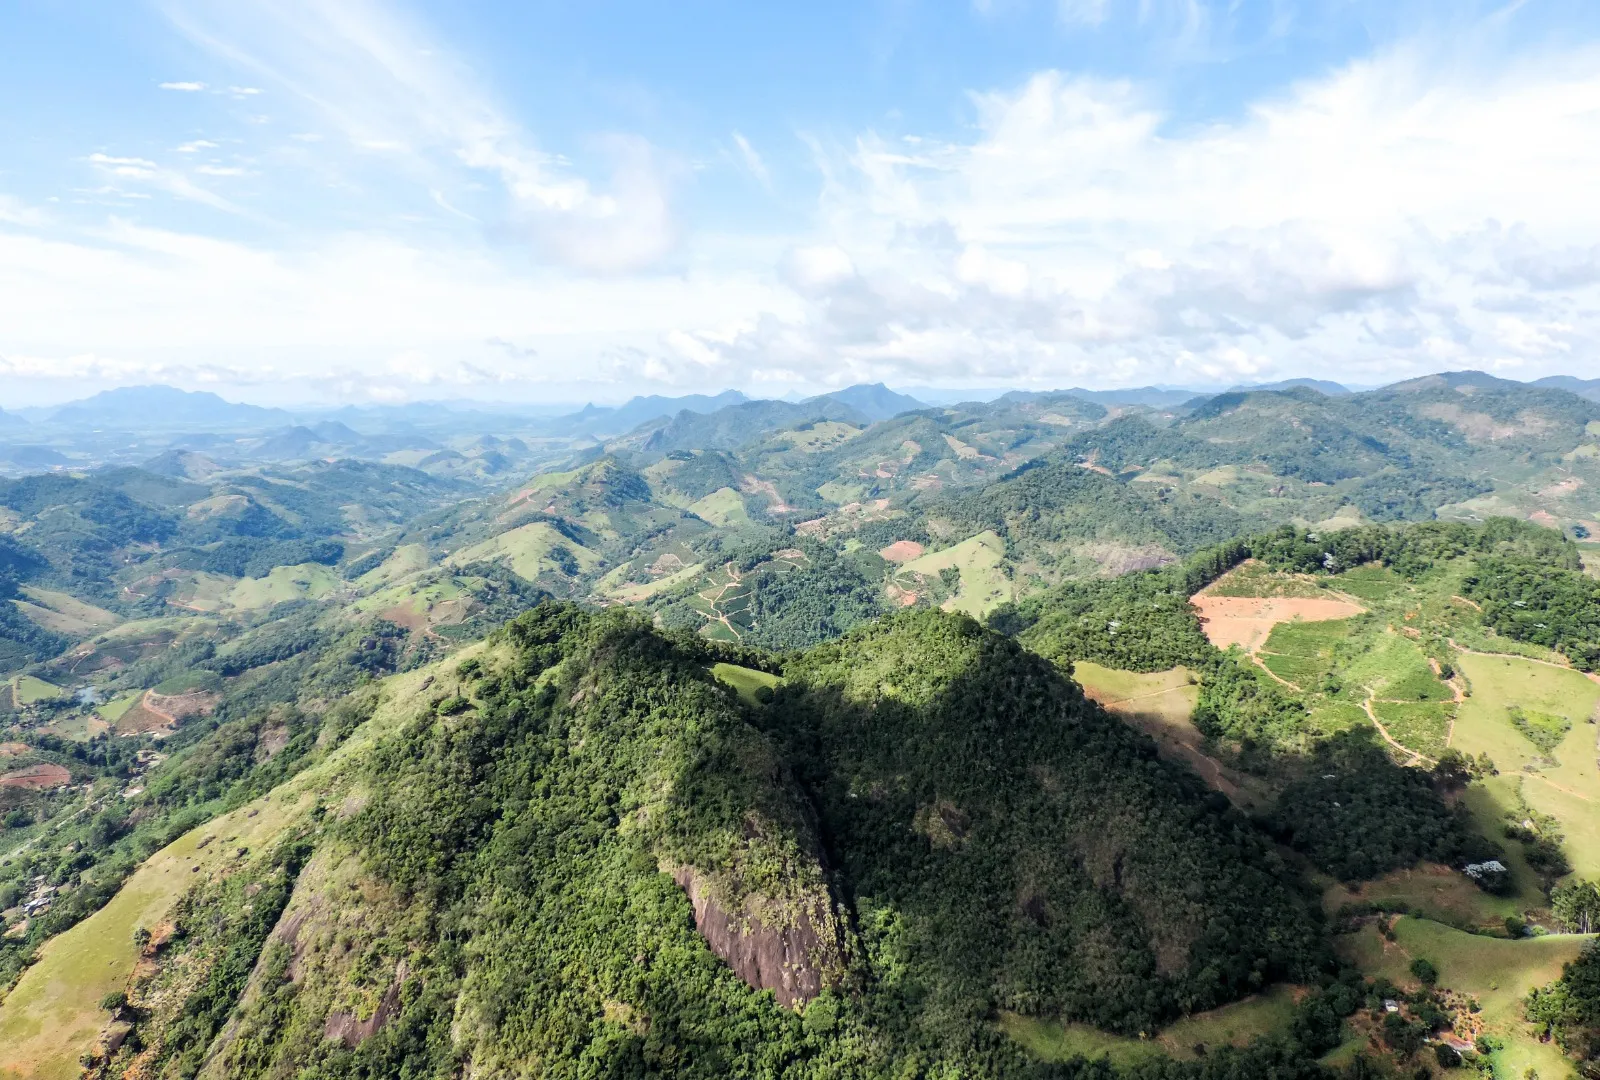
[303, 202]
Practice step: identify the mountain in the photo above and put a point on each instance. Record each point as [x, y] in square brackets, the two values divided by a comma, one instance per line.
[1322, 386]
[874, 401]
[738, 425]
[1585, 388]
[1149, 396]
[163, 407]
[927, 824]
[32, 457]
[11, 421]
[604, 420]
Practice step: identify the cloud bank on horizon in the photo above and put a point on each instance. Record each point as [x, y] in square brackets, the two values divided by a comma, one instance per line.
[379, 200]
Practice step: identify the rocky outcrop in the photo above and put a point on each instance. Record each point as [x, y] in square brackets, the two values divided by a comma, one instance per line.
[346, 1028]
[796, 950]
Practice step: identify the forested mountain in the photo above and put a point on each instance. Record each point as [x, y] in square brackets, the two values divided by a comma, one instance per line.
[1049, 736]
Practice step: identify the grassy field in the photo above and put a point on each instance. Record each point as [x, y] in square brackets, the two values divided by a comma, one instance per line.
[745, 680]
[65, 614]
[53, 1014]
[634, 594]
[111, 711]
[1440, 893]
[823, 435]
[1252, 578]
[29, 690]
[981, 560]
[404, 560]
[723, 508]
[312, 581]
[1498, 972]
[1235, 1025]
[1569, 791]
[526, 550]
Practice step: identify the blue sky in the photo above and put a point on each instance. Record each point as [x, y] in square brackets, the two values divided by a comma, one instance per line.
[296, 201]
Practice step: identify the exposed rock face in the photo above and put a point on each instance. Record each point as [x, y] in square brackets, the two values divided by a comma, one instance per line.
[345, 1028]
[795, 961]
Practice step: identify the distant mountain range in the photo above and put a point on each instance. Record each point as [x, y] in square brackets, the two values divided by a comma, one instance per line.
[163, 406]
[875, 401]
[1584, 388]
[1323, 386]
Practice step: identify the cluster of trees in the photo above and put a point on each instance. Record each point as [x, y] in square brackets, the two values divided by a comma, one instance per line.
[1532, 600]
[242, 556]
[821, 600]
[1577, 905]
[1568, 1010]
[1356, 814]
[1055, 501]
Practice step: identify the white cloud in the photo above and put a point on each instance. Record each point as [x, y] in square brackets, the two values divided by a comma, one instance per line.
[186, 87]
[1407, 212]
[219, 170]
[1376, 221]
[1087, 12]
[752, 160]
[244, 91]
[381, 81]
[123, 170]
[132, 303]
[195, 146]
[15, 212]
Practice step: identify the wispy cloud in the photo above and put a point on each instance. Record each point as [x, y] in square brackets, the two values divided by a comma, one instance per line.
[388, 86]
[15, 212]
[752, 160]
[195, 146]
[120, 170]
[220, 170]
[186, 87]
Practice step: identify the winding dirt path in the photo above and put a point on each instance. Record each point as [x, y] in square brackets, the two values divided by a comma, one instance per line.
[1416, 755]
[1255, 658]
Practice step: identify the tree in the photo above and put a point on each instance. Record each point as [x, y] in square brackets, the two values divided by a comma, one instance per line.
[1577, 905]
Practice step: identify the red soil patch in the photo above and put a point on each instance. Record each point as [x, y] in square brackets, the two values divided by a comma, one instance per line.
[37, 777]
[902, 551]
[1247, 620]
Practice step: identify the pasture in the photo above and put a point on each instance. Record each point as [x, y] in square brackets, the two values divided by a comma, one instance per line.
[1231, 1025]
[980, 559]
[1568, 790]
[1498, 972]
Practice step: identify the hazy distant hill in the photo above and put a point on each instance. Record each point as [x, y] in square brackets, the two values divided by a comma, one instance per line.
[1150, 396]
[157, 407]
[11, 421]
[1332, 389]
[604, 420]
[875, 401]
[737, 425]
[1587, 388]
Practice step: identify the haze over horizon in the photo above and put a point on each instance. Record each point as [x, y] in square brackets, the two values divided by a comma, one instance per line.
[287, 202]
